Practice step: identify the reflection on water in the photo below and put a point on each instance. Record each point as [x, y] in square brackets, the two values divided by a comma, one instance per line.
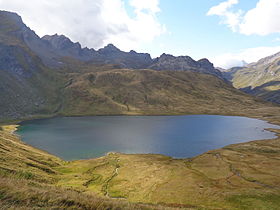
[177, 136]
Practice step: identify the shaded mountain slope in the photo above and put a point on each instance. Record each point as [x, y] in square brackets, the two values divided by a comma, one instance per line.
[27, 86]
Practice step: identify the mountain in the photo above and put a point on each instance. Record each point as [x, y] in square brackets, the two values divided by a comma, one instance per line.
[53, 76]
[261, 78]
[27, 86]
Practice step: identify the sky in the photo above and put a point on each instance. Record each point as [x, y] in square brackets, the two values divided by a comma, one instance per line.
[227, 32]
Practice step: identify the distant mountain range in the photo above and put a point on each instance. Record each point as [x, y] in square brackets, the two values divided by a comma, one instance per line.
[261, 78]
[53, 76]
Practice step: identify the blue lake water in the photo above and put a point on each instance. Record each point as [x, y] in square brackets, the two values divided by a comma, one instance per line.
[178, 136]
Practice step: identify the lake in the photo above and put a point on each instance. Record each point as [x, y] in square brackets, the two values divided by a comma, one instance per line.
[178, 136]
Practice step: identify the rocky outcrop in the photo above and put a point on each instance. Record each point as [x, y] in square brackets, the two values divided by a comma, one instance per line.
[64, 47]
[184, 63]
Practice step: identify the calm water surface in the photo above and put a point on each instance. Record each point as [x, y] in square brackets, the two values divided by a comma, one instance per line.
[177, 136]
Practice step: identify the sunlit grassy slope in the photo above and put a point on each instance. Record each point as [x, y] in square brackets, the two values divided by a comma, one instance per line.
[217, 179]
[261, 79]
[29, 179]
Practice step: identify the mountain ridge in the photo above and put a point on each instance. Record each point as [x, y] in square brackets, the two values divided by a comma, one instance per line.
[52, 48]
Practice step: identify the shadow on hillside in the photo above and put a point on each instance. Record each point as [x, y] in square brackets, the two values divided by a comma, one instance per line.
[261, 91]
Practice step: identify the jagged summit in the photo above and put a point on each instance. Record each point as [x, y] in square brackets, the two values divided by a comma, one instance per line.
[109, 48]
[61, 42]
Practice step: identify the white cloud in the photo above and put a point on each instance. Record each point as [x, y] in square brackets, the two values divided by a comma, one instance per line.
[261, 20]
[249, 55]
[151, 6]
[222, 8]
[92, 23]
[228, 17]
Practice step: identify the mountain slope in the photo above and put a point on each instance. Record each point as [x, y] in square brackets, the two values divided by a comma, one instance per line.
[30, 88]
[261, 78]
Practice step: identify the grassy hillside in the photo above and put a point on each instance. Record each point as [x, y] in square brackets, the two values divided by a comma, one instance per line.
[124, 91]
[242, 176]
[260, 79]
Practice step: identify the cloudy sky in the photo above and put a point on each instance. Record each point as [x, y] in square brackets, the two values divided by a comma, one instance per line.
[228, 32]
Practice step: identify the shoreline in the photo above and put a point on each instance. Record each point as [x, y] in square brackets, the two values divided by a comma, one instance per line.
[240, 170]
[12, 128]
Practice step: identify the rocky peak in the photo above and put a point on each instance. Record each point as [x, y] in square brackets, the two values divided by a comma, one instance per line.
[205, 63]
[61, 42]
[165, 56]
[186, 60]
[170, 62]
[110, 48]
[184, 63]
